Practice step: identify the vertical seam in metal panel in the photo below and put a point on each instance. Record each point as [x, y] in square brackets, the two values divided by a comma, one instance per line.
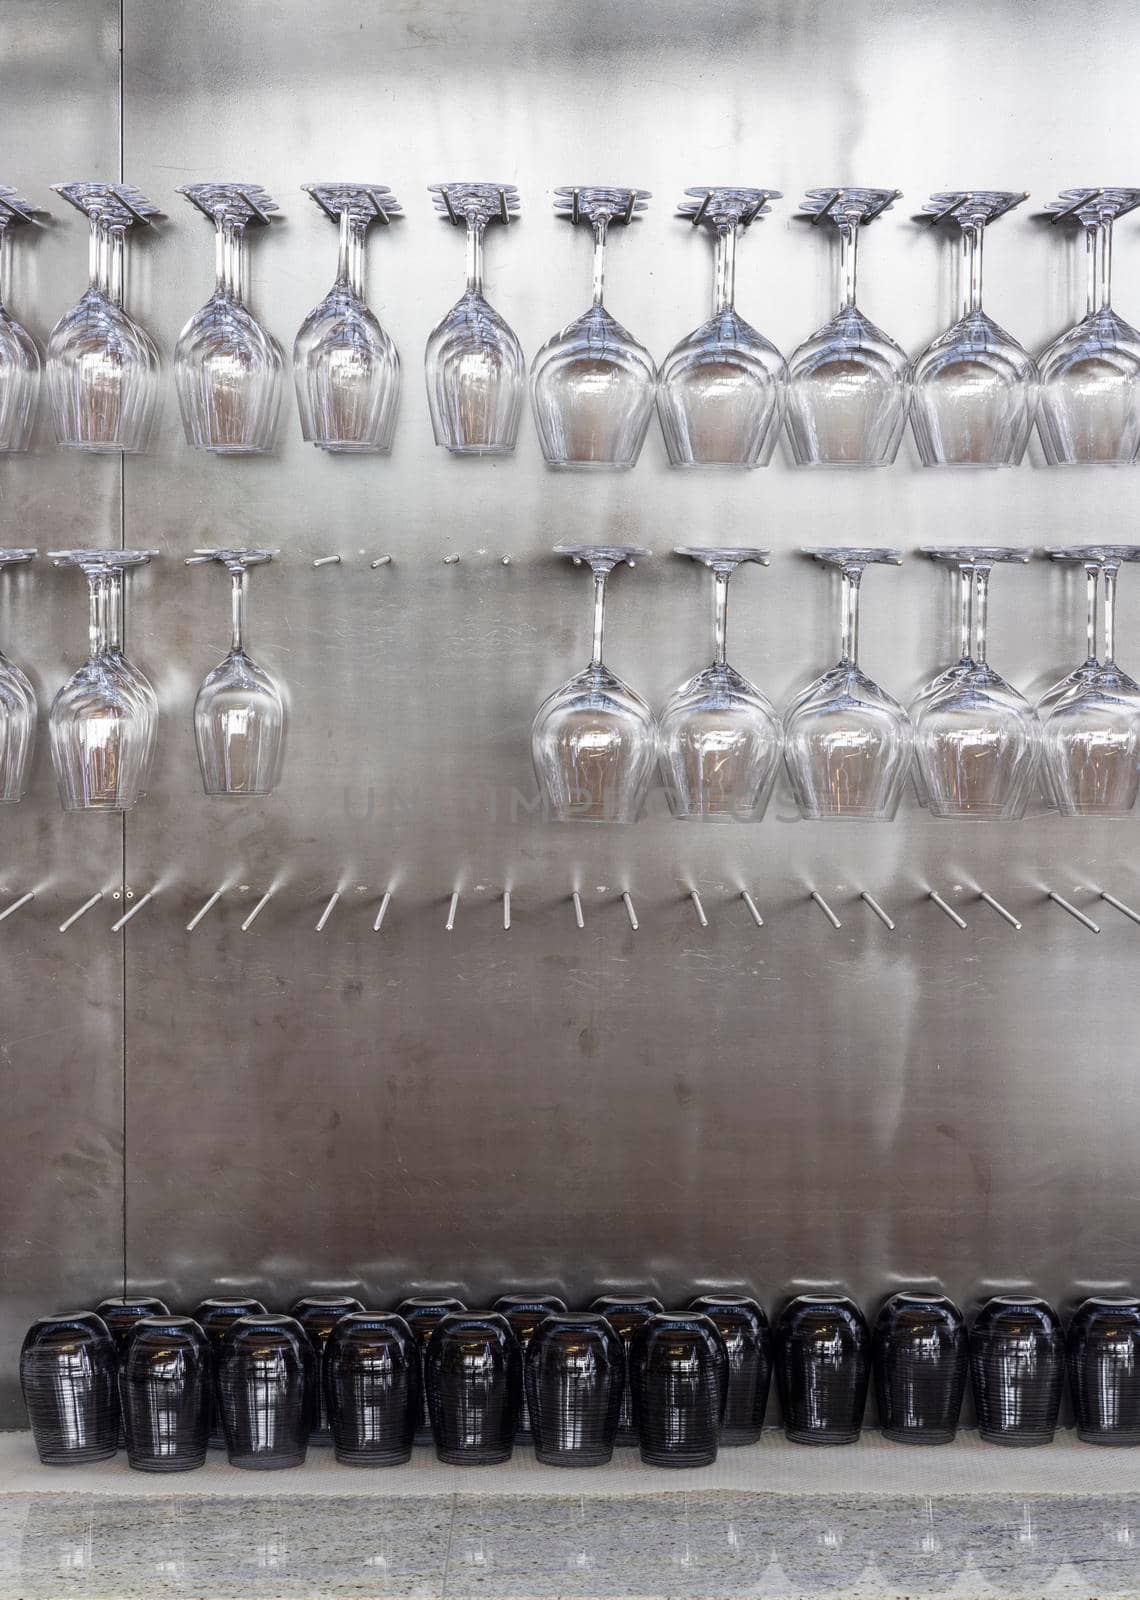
[122, 546]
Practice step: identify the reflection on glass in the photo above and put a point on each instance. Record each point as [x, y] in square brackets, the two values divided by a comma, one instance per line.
[17, 711]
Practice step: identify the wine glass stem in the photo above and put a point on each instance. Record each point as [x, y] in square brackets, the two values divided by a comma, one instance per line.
[350, 260]
[724, 270]
[97, 255]
[230, 258]
[965, 591]
[476, 226]
[599, 617]
[981, 599]
[1098, 240]
[237, 611]
[114, 610]
[96, 612]
[600, 259]
[972, 231]
[720, 617]
[4, 248]
[849, 616]
[1110, 575]
[1092, 580]
[116, 256]
[848, 255]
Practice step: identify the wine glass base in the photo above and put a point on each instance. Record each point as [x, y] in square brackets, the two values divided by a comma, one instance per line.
[339, 449]
[848, 814]
[477, 449]
[240, 794]
[716, 466]
[234, 449]
[846, 466]
[975, 814]
[591, 466]
[102, 449]
[973, 466]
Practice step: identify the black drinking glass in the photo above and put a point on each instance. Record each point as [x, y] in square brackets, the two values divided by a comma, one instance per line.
[474, 1384]
[214, 1317]
[678, 1374]
[372, 1388]
[120, 1313]
[69, 1377]
[574, 1378]
[1017, 1362]
[422, 1314]
[524, 1312]
[625, 1313]
[748, 1343]
[166, 1381]
[921, 1356]
[265, 1380]
[1103, 1352]
[823, 1365]
[319, 1314]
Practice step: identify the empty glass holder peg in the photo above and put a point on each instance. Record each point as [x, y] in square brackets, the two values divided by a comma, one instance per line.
[227, 368]
[847, 384]
[719, 737]
[17, 711]
[473, 365]
[974, 389]
[1090, 376]
[102, 367]
[345, 367]
[592, 384]
[720, 392]
[19, 353]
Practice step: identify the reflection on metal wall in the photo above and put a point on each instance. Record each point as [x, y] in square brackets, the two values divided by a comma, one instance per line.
[552, 1105]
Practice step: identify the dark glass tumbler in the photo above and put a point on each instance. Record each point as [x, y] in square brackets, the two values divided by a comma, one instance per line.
[524, 1312]
[319, 1314]
[214, 1317]
[69, 1377]
[1103, 1348]
[474, 1384]
[422, 1314]
[120, 1313]
[823, 1350]
[678, 1375]
[372, 1388]
[265, 1379]
[574, 1378]
[1017, 1362]
[748, 1342]
[625, 1313]
[166, 1382]
[921, 1355]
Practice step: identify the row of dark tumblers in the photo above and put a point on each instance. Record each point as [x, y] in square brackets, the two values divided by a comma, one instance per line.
[626, 1372]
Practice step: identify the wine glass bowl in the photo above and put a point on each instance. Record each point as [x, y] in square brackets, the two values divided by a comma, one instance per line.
[593, 385]
[720, 390]
[848, 384]
[19, 353]
[719, 737]
[473, 365]
[345, 367]
[17, 710]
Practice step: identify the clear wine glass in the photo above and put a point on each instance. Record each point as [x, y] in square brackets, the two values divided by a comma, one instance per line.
[976, 739]
[345, 367]
[592, 384]
[720, 391]
[848, 383]
[102, 366]
[17, 711]
[718, 737]
[594, 739]
[19, 353]
[101, 728]
[974, 390]
[848, 743]
[227, 368]
[1090, 376]
[1091, 738]
[239, 714]
[1092, 559]
[136, 681]
[476, 376]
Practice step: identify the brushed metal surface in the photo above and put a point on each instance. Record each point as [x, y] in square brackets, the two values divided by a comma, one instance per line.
[577, 1109]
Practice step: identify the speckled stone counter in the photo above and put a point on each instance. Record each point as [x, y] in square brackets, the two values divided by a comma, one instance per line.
[105, 1532]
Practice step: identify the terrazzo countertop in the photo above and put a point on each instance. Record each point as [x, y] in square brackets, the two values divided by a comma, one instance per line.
[773, 1521]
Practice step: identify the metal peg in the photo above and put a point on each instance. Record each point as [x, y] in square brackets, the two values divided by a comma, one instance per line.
[326, 561]
[627, 902]
[16, 904]
[209, 906]
[1065, 905]
[1118, 905]
[327, 912]
[698, 908]
[452, 560]
[753, 909]
[877, 909]
[383, 911]
[578, 917]
[504, 561]
[451, 910]
[996, 905]
[134, 911]
[506, 911]
[82, 912]
[826, 909]
[932, 894]
[257, 910]
[381, 561]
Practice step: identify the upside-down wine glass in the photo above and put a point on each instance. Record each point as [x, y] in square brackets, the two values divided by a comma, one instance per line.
[1090, 376]
[102, 367]
[1092, 559]
[594, 740]
[135, 681]
[976, 739]
[974, 390]
[592, 384]
[720, 392]
[847, 384]
[17, 711]
[718, 736]
[101, 728]
[19, 353]
[239, 714]
[1091, 738]
[227, 368]
[474, 367]
[345, 367]
[848, 743]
